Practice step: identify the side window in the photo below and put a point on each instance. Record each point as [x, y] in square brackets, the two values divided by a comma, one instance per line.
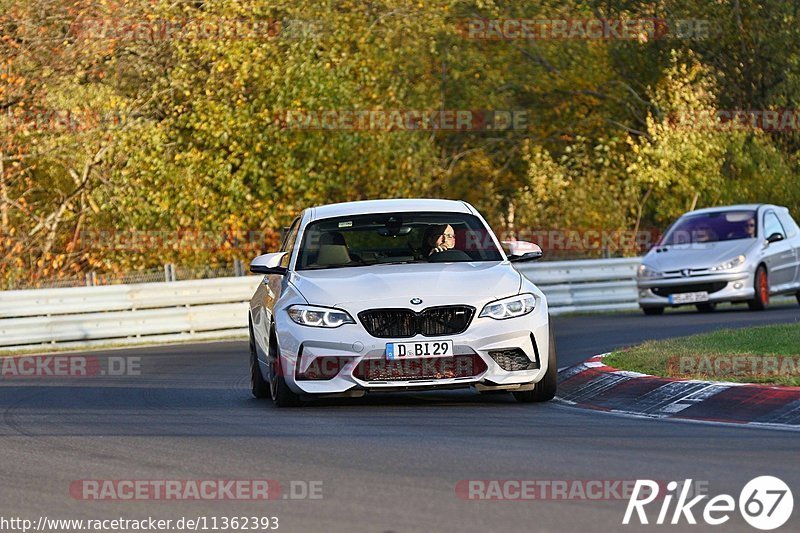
[772, 225]
[288, 243]
[789, 224]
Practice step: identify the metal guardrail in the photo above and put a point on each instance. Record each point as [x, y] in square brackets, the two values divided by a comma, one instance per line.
[125, 314]
[588, 285]
[216, 308]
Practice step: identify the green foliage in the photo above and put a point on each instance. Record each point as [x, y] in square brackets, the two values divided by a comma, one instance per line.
[102, 131]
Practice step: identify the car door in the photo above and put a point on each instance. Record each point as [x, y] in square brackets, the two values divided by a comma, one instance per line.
[793, 236]
[780, 255]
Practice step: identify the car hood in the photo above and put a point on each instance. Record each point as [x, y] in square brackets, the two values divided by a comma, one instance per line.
[458, 281]
[697, 255]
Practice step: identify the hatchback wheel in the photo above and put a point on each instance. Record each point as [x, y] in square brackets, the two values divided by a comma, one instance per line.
[761, 284]
[650, 311]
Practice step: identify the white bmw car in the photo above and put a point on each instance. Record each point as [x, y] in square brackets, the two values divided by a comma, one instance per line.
[397, 295]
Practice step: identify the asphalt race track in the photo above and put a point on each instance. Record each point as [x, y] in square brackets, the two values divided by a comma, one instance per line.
[386, 462]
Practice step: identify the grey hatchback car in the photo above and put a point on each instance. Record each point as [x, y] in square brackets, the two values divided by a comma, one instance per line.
[740, 253]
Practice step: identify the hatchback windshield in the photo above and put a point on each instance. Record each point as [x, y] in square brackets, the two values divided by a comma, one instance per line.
[388, 238]
[712, 227]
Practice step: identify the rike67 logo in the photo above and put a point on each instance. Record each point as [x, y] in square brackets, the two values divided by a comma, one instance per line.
[765, 503]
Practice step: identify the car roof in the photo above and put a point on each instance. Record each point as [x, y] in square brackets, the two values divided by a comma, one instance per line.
[737, 207]
[366, 207]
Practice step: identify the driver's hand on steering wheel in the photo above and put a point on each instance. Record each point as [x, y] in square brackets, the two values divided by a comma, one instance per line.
[441, 248]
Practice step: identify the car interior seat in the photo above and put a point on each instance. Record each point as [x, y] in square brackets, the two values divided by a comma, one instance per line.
[333, 249]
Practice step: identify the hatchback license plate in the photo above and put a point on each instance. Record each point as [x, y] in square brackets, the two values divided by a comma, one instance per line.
[413, 350]
[688, 297]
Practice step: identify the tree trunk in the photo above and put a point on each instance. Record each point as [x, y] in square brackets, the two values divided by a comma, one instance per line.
[4, 229]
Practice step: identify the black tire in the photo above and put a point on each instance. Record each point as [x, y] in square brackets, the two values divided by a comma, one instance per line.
[544, 390]
[761, 285]
[651, 311]
[708, 307]
[258, 385]
[798, 297]
[282, 395]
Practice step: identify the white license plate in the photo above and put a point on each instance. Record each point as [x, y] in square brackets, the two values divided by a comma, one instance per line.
[414, 350]
[688, 297]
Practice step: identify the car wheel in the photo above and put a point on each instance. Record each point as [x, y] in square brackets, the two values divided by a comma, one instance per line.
[545, 390]
[650, 311]
[761, 284]
[258, 385]
[282, 396]
[706, 307]
[798, 297]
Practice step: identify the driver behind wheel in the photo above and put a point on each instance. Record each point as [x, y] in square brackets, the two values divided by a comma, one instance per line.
[438, 238]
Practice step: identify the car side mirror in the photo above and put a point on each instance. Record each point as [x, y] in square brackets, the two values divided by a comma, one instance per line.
[530, 256]
[520, 251]
[775, 237]
[268, 264]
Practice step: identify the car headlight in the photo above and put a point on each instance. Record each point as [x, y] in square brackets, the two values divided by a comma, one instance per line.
[319, 317]
[728, 265]
[510, 307]
[648, 272]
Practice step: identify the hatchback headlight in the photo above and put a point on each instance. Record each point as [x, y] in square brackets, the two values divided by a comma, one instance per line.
[648, 272]
[319, 317]
[728, 265]
[510, 307]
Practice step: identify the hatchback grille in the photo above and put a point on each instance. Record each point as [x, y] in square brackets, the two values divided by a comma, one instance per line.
[431, 322]
[513, 359]
[695, 287]
[458, 366]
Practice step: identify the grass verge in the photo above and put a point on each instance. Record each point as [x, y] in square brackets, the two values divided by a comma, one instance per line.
[766, 354]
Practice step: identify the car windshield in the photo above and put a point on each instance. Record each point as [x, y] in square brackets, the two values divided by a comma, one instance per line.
[392, 238]
[712, 227]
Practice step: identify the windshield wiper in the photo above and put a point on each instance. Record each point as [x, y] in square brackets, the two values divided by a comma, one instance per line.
[399, 262]
[326, 267]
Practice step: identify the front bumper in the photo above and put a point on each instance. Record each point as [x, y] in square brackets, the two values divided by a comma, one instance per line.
[353, 345]
[728, 287]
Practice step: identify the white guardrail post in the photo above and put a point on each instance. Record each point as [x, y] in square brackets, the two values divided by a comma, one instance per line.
[216, 308]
